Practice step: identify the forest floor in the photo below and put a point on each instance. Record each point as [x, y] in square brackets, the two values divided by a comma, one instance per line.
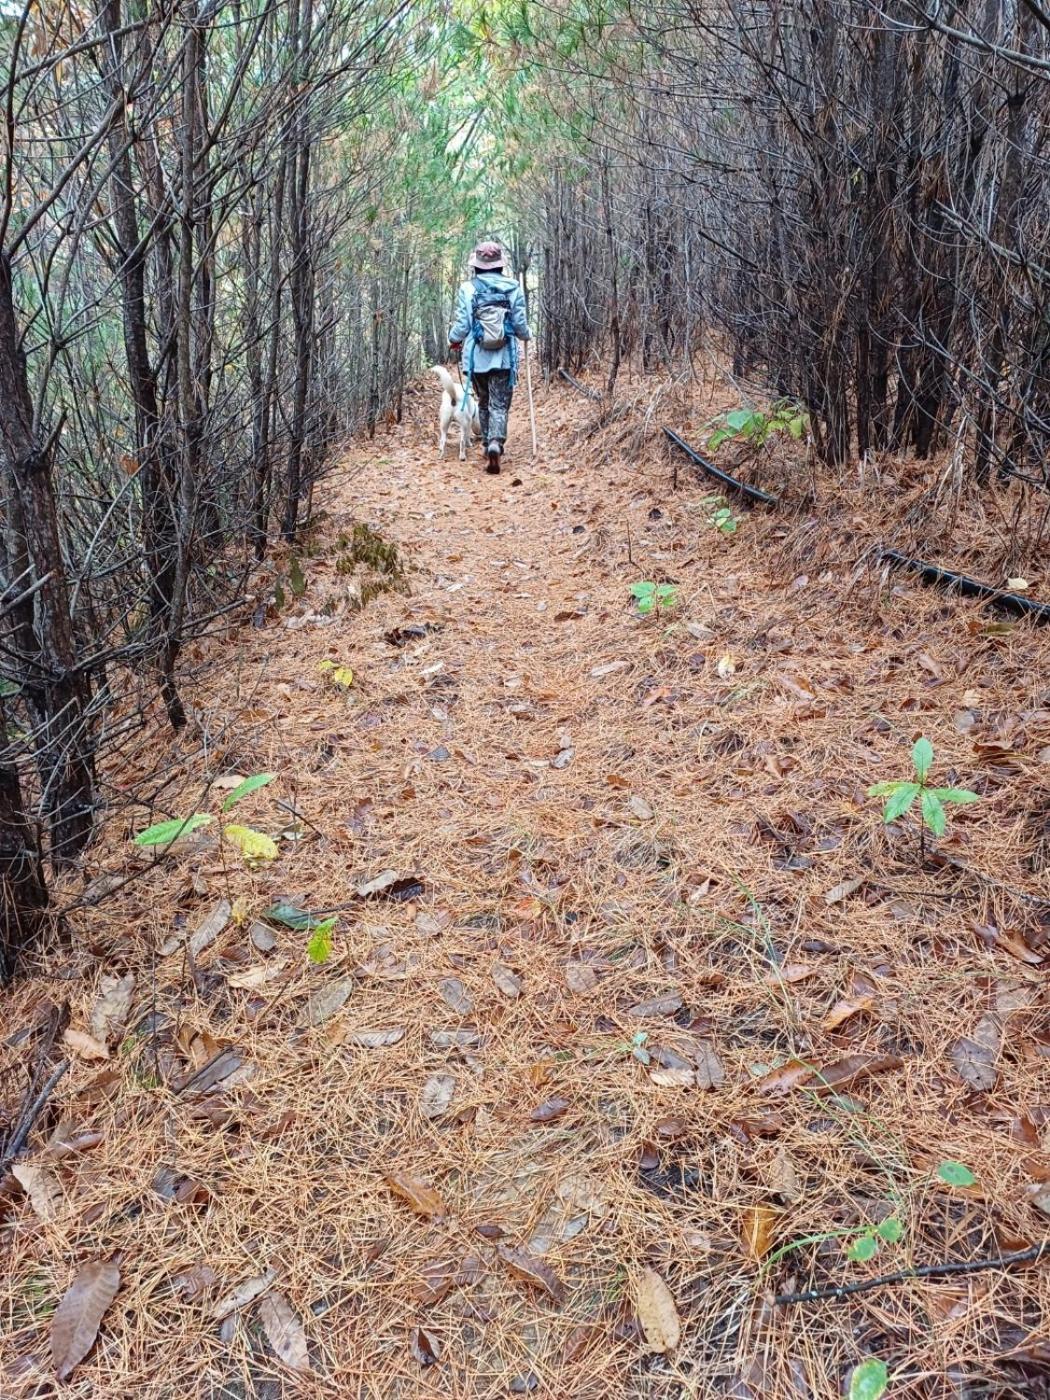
[636, 1016]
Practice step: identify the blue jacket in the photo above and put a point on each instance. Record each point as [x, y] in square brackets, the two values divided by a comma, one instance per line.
[485, 360]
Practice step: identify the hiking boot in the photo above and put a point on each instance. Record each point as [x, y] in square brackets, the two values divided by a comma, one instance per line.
[493, 452]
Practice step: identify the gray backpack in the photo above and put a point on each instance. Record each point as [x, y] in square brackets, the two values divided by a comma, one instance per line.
[490, 313]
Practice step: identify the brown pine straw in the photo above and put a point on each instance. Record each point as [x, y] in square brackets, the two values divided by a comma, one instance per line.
[755, 779]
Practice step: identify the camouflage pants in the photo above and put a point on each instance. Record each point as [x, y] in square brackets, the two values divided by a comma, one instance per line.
[494, 396]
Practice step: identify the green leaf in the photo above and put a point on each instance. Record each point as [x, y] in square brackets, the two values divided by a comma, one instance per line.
[869, 1380]
[319, 948]
[252, 784]
[164, 833]
[900, 801]
[891, 1230]
[290, 915]
[956, 1174]
[885, 789]
[739, 419]
[643, 589]
[922, 758]
[960, 796]
[933, 813]
[863, 1248]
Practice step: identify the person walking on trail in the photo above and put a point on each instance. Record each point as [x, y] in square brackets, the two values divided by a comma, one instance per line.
[489, 319]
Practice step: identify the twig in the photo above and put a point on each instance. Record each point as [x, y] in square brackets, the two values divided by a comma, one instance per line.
[972, 1266]
[580, 388]
[31, 1114]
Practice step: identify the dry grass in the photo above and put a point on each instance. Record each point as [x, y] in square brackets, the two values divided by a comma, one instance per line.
[685, 847]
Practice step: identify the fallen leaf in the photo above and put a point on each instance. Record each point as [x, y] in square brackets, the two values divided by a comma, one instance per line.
[455, 995]
[76, 1320]
[548, 1111]
[424, 1346]
[436, 1095]
[710, 1072]
[195, 1281]
[608, 668]
[507, 980]
[843, 890]
[436, 1278]
[757, 1228]
[377, 884]
[262, 937]
[325, 1002]
[254, 977]
[111, 1008]
[673, 1078]
[86, 1046]
[974, 1057]
[423, 1199]
[563, 758]
[780, 1080]
[639, 807]
[208, 930]
[784, 1177]
[284, 1331]
[41, 1186]
[665, 1005]
[657, 1313]
[580, 977]
[850, 1070]
[531, 1270]
[727, 666]
[243, 1294]
[790, 973]
[843, 1009]
[375, 1040]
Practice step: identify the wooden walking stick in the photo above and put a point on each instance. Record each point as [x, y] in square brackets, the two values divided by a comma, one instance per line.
[532, 406]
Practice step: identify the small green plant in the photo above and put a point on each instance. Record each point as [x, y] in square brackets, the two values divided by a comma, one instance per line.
[900, 796]
[652, 597]
[719, 515]
[866, 1245]
[253, 845]
[955, 1174]
[870, 1380]
[752, 425]
[319, 948]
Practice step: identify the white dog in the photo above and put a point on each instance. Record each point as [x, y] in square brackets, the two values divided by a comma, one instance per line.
[455, 410]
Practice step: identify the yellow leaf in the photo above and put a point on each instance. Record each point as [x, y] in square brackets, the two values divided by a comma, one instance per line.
[758, 1226]
[253, 845]
[342, 676]
[656, 1312]
[240, 911]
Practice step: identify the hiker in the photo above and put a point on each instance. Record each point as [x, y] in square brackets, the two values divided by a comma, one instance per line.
[489, 318]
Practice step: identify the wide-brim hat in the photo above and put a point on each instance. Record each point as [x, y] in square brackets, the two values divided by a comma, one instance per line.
[487, 256]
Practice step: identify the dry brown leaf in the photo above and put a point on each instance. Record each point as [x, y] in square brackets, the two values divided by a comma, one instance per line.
[639, 807]
[851, 1070]
[779, 1081]
[375, 1040]
[843, 890]
[435, 1279]
[436, 1095]
[423, 1199]
[111, 1008]
[580, 977]
[547, 1112]
[841, 1012]
[757, 1228]
[243, 1294]
[424, 1346]
[790, 972]
[534, 1271]
[377, 884]
[41, 1186]
[507, 980]
[975, 1057]
[254, 977]
[262, 937]
[195, 1281]
[784, 1177]
[673, 1078]
[86, 1046]
[76, 1320]
[209, 929]
[325, 1002]
[657, 1313]
[284, 1331]
[665, 1005]
[456, 996]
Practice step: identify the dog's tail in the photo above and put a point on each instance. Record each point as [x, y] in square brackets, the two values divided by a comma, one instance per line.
[449, 385]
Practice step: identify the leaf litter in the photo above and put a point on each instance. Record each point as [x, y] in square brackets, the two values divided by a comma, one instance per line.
[714, 1120]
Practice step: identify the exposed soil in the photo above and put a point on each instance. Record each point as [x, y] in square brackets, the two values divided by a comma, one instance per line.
[651, 986]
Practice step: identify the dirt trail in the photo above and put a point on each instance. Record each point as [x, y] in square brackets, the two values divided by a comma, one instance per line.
[552, 1073]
